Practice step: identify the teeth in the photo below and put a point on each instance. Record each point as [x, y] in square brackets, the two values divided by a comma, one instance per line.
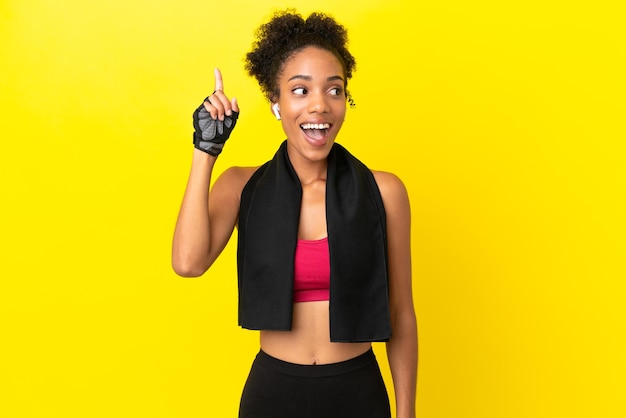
[315, 126]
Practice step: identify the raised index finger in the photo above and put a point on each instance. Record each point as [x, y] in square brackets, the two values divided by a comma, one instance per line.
[219, 84]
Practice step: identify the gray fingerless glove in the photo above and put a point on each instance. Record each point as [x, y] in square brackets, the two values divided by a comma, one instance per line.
[210, 134]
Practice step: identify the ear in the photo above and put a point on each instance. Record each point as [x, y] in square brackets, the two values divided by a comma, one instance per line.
[276, 110]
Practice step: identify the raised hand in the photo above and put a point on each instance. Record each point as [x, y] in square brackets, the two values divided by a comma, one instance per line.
[215, 119]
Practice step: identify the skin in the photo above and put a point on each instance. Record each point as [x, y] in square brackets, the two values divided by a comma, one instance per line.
[311, 86]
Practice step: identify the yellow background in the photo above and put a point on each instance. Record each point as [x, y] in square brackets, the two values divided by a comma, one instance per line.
[506, 121]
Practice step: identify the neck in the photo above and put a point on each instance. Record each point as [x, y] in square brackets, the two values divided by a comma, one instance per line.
[308, 171]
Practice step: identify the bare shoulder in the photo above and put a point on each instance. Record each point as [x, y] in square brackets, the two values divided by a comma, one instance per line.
[392, 189]
[234, 179]
[226, 191]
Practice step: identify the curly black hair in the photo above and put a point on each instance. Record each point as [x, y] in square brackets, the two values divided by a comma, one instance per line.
[286, 33]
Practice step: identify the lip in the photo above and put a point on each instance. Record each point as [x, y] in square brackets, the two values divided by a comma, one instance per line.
[317, 142]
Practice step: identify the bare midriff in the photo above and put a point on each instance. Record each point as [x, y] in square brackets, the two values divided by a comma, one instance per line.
[308, 342]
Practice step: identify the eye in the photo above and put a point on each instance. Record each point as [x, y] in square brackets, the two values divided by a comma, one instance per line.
[299, 91]
[336, 91]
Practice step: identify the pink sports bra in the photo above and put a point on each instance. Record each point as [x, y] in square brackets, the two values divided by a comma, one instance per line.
[311, 271]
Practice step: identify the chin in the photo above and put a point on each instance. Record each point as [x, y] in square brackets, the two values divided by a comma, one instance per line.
[313, 152]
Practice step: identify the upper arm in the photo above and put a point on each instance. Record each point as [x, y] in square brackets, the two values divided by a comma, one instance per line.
[398, 214]
[224, 201]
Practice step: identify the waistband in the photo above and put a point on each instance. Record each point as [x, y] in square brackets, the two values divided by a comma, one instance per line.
[316, 370]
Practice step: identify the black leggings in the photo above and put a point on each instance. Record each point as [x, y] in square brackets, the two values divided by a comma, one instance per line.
[278, 389]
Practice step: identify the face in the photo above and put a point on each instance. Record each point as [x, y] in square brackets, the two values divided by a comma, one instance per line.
[312, 102]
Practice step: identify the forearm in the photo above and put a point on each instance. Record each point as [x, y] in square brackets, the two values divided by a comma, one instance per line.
[191, 243]
[402, 356]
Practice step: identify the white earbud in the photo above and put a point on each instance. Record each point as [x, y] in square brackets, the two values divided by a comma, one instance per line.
[276, 110]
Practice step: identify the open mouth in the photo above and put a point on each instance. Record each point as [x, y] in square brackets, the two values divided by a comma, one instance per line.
[315, 131]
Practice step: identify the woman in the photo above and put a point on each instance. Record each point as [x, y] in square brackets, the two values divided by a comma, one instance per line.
[324, 255]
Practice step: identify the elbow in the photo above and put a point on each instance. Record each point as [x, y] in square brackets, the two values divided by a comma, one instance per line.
[185, 268]
[189, 273]
[404, 322]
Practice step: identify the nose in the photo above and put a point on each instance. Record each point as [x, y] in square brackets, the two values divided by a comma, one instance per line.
[317, 103]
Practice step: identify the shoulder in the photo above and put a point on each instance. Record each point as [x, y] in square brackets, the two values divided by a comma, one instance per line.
[395, 198]
[392, 189]
[233, 180]
[237, 174]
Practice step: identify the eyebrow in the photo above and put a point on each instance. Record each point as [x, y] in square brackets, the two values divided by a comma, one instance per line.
[309, 78]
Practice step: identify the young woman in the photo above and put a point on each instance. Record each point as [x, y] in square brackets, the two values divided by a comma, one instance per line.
[324, 258]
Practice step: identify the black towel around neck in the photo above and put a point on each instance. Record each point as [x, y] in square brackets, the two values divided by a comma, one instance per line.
[357, 238]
